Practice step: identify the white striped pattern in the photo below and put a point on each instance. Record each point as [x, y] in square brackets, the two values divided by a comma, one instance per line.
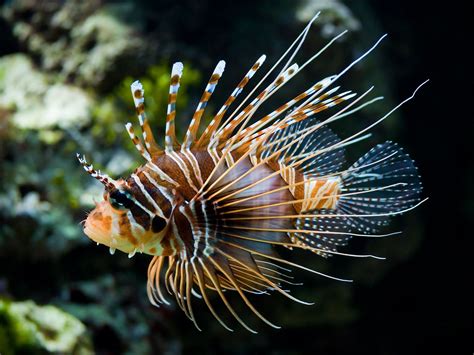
[161, 189]
[194, 164]
[148, 197]
[161, 173]
[177, 70]
[183, 167]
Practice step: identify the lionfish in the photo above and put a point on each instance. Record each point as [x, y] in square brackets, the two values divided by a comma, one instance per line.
[212, 210]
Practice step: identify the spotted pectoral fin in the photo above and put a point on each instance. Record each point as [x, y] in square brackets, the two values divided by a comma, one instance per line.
[322, 231]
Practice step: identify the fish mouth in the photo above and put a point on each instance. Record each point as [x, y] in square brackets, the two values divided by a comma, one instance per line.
[98, 225]
[97, 233]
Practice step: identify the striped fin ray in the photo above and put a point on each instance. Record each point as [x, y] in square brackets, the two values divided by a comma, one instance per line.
[326, 163]
[191, 134]
[137, 142]
[103, 178]
[291, 51]
[319, 86]
[261, 141]
[246, 113]
[214, 124]
[318, 105]
[138, 94]
[154, 280]
[170, 134]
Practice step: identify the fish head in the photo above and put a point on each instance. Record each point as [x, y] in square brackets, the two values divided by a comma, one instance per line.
[121, 222]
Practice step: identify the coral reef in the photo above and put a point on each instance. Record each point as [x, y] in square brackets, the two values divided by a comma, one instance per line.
[38, 101]
[80, 41]
[26, 327]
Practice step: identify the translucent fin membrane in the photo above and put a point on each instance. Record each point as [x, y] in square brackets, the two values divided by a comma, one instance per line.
[384, 165]
[322, 241]
[323, 164]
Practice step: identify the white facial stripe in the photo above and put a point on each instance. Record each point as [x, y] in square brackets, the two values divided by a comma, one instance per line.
[164, 191]
[161, 173]
[148, 196]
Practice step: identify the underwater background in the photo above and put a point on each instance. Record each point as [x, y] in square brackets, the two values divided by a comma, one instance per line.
[65, 71]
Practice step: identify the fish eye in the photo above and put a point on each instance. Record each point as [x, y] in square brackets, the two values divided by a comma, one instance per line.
[120, 199]
[158, 224]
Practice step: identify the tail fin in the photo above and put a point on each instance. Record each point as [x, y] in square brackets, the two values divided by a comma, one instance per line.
[382, 182]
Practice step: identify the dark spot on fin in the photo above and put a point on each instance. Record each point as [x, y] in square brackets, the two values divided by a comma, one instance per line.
[158, 224]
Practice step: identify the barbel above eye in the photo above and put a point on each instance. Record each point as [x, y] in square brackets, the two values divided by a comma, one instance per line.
[120, 199]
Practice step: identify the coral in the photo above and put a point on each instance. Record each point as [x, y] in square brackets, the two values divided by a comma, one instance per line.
[36, 101]
[81, 42]
[335, 16]
[29, 328]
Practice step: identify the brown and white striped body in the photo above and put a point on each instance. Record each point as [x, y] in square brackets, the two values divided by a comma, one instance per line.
[213, 209]
[170, 179]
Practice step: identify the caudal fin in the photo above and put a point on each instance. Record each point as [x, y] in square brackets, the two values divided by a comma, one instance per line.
[383, 182]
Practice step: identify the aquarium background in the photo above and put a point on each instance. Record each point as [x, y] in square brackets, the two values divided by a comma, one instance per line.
[65, 71]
